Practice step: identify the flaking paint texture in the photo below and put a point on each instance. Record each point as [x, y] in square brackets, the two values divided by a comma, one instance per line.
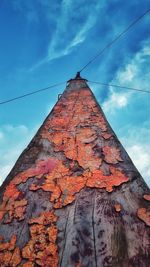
[74, 198]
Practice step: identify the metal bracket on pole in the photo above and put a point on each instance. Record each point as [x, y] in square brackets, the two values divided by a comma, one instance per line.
[59, 96]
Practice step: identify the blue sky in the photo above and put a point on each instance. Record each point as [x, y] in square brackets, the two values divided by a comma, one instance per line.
[44, 42]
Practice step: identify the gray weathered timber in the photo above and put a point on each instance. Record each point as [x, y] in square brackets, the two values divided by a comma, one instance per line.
[91, 232]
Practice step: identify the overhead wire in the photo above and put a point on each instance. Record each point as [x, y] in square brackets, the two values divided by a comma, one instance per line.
[94, 58]
[120, 86]
[116, 38]
[46, 88]
[31, 93]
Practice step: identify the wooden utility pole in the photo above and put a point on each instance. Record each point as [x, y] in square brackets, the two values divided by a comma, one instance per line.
[74, 197]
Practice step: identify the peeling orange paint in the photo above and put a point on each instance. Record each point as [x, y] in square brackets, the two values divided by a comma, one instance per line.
[144, 215]
[87, 158]
[45, 218]
[9, 254]
[8, 245]
[76, 142]
[117, 207]
[146, 197]
[16, 208]
[69, 187]
[28, 264]
[101, 122]
[86, 135]
[112, 154]
[5, 258]
[41, 167]
[41, 248]
[74, 135]
[62, 186]
[106, 135]
[16, 257]
[99, 180]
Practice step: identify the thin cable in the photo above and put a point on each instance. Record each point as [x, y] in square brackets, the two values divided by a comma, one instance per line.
[123, 87]
[116, 38]
[31, 93]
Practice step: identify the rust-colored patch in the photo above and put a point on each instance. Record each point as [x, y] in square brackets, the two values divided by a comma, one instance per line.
[117, 207]
[62, 185]
[146, 197]
[41, 248]
[86, 135]
[144, 215]
[69, 187]
[8, 245]
[11, 205]
[28, 264]
[99, 180]
[16, 257]
[112, 154]
[106, 135]
[9, 254]
[66, 135]
[41, 167]
[75, 136]
[79, 265]
[87, 158]
[5, 258]
[44, 219]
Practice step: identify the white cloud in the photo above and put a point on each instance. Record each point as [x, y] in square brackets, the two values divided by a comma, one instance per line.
[1, 136]
[72, 26]
[115, 101]
[66, 37]
[134, 74]
[128, 74]
[140, 155]
[128, 111]
[136, 70]
[15, 139]
[137, 146]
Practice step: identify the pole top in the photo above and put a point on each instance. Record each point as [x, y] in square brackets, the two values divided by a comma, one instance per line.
[77, 77]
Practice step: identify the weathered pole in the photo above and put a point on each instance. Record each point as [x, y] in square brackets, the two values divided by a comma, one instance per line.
[74, 197]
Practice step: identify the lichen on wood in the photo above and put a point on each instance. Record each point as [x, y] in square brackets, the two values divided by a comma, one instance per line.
[10, 255]
[42, 248]
[63, 201]
[144, 215]
[117, 207]
[146, 197]
[112, 154]
[14, 204]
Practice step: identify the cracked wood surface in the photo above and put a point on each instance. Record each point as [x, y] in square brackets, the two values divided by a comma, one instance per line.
[74, 197]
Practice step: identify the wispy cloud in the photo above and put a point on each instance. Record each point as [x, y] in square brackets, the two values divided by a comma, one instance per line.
[129, 108]
[14, 140]
[134, 74]
[72, 28]
[1, 135]
[140, 155]
[116, 101]
[137, 145]
[131, 73]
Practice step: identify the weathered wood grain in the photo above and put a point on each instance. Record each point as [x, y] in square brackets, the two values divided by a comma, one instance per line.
[74, 197]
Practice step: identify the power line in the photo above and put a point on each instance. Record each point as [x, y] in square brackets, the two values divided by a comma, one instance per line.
[30, 93]
[99, 53]
[116, 38]
[120, 86]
